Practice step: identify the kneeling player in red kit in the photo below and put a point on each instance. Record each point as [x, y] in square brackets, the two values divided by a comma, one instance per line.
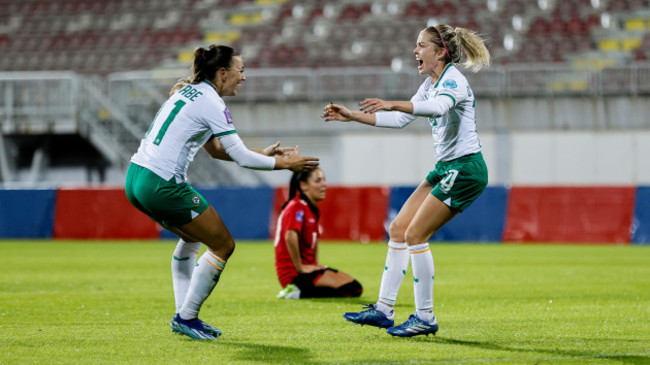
[296, 244]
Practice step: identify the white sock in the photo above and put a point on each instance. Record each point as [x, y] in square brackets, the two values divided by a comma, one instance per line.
[183, 263]
[397, 262]
[205, 278]
[423, 273]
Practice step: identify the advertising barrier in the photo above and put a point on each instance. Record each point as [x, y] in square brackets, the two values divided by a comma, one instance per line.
[100, 213]
[570, 214]
[609, 215]
[348, 213]
[481, 221]
[27, 213]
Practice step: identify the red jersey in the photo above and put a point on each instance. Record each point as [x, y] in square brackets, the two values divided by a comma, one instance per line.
[296, 216]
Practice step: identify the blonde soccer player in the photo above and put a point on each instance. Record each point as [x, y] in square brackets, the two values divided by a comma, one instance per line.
[458, 178]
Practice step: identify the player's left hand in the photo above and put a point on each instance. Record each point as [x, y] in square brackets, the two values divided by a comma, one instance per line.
[276, 150]
[336, 112]
[372, 105]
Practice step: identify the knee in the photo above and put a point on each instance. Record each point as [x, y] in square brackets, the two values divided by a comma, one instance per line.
[352, 289]
[229, 246]
[222, 245]
[396, 231]
[413, 236]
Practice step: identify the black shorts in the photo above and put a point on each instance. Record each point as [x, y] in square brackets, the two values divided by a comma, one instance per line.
[308, 281]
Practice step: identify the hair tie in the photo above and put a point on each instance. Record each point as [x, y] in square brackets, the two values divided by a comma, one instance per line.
[443, 42]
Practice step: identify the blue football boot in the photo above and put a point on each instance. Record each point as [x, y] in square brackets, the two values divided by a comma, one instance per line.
[414, 326]
[194, 328]
[370, 316]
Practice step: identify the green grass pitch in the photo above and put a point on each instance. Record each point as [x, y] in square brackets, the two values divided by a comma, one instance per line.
[111, 302]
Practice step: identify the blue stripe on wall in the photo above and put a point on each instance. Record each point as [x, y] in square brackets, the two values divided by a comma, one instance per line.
[482, 221]
[641, 220]
[245, 211]
[27, 213]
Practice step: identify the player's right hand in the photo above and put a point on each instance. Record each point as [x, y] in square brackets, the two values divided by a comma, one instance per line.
[296, 162]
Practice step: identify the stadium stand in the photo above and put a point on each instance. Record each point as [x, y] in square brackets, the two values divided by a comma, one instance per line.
[100, 37]
[124, 54]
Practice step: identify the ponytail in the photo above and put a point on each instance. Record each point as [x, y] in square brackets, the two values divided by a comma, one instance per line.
[208, 61]
[458, 40]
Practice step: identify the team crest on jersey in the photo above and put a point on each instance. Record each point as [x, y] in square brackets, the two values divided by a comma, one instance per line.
[196, 200]
[449, 84]
[226, 112]
[300, 216]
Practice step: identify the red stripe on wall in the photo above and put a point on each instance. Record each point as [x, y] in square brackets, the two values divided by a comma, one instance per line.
[569, 214]
[102, 213]
[347, 213]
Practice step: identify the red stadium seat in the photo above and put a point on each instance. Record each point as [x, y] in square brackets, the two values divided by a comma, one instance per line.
[568, 25]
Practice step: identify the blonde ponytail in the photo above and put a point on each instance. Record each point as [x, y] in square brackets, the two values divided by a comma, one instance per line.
[456, 41]
[473, 45]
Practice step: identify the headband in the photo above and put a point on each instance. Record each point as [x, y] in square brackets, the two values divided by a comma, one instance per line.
[443, 42]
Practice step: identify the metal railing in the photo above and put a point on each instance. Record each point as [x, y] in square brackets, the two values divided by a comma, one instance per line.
[353, 83]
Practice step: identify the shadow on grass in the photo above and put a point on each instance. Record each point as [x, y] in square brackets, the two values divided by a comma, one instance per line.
[269, 354]
[635, 359]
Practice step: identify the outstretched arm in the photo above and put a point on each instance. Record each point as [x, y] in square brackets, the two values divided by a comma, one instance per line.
[399, 118]
[343, 114]
[215, 149]
[232, 148]
[372, 105]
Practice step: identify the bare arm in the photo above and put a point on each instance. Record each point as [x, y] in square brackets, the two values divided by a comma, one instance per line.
[367, 113]
[293, 246]
[343, 114]
[373, 105]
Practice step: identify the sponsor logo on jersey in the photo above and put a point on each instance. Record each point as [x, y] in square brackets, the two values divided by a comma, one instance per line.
[449, 84]
[300, 216]
[226, 112]
[196, 200]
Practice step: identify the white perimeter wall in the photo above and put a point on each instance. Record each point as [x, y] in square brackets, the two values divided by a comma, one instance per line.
[527, 141]
[523, 158]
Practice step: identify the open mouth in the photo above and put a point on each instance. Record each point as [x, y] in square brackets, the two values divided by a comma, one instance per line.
[420, 62]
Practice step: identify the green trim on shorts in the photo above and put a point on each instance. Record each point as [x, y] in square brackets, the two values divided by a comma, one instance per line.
[459, 182]
[169, 203]
[224, 133]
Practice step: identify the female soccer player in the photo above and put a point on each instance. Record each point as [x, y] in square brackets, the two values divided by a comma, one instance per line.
[196, 116]
[459, 177]
[296, 244]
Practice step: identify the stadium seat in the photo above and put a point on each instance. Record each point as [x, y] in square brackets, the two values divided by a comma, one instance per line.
[175, 28]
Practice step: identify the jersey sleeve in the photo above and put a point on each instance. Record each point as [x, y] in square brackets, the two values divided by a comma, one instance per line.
[397, 119]
[454, 87]
[293, 218]
[218, 118]
[450, 93]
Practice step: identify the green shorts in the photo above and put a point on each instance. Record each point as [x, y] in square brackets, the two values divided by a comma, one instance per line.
[459, 182]
[166, 202]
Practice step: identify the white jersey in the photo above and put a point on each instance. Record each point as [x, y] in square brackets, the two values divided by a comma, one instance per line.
[184, 123]
[454, 131]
